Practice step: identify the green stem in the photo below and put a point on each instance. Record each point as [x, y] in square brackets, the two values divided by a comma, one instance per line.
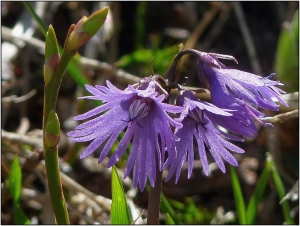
[55, 187]
[51, 153]
[51, 90]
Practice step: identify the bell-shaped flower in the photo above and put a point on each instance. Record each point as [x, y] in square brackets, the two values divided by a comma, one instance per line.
[239, 90]
[198, 119]
[142, 115]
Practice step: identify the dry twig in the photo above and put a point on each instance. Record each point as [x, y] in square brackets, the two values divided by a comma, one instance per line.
[282, 117]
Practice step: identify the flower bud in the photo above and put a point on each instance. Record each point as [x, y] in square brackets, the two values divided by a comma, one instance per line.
[52, 130]
[52, 56]
[86, 28]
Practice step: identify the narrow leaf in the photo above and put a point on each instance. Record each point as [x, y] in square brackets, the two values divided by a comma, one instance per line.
[238, 197]
[257, 194]
[281, 192]
[119, 207]
[167, 208]
[15, 178]
[19, 215]
[169, 220]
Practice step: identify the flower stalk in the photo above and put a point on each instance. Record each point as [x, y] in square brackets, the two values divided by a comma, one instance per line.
[54, 70]
[53, 73]
[154, 200]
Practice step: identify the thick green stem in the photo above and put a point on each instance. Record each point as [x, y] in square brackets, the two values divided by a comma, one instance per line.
[154, 199]
[51, 153]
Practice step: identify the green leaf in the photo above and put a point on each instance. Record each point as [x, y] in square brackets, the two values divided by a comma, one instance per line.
[169, 220]
[238, 197]
[287, 55]
[257, 194]
[281, 191]
[15, 179]
[15, 183]
[19, 215]
[119, 207]
[167, 208]
[161, 61]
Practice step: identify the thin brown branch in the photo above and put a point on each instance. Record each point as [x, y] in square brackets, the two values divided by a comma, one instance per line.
[282, 117]
[23, 139]
[16, 100]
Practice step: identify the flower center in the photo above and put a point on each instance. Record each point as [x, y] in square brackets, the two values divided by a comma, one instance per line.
[197, 116]
[138, 109]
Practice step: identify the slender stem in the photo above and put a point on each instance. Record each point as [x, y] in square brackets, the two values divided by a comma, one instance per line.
[55, 187]
[154, 199]
[51, 153]
[51, 90]
[171, 73]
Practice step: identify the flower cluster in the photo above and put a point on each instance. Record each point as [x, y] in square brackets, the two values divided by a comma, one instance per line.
[142, 112]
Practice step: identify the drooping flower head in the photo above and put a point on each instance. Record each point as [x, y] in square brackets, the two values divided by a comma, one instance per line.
[197, 118]
[239, 90]
[141, 113]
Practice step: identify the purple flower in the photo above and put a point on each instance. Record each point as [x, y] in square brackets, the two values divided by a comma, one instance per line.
[240, 91]
[197, 119]
[141, 113]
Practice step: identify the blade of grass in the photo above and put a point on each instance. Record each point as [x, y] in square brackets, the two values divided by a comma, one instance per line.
[238, 197]
[257, 194]
[119, 207]
[15, 184]
[169, 220]
[281, 192]
[19, 216]
[167, 208]
[15, 178]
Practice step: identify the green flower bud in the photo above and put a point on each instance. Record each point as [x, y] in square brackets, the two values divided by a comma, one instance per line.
[51, 46]
[52, 56]
[52, 130]
[50, 65]
[94, 22]
[86, 28]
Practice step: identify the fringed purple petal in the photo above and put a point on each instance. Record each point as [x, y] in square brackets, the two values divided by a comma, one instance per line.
[110, 143]
[93, 112]
[119, 152]
[93, 146]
